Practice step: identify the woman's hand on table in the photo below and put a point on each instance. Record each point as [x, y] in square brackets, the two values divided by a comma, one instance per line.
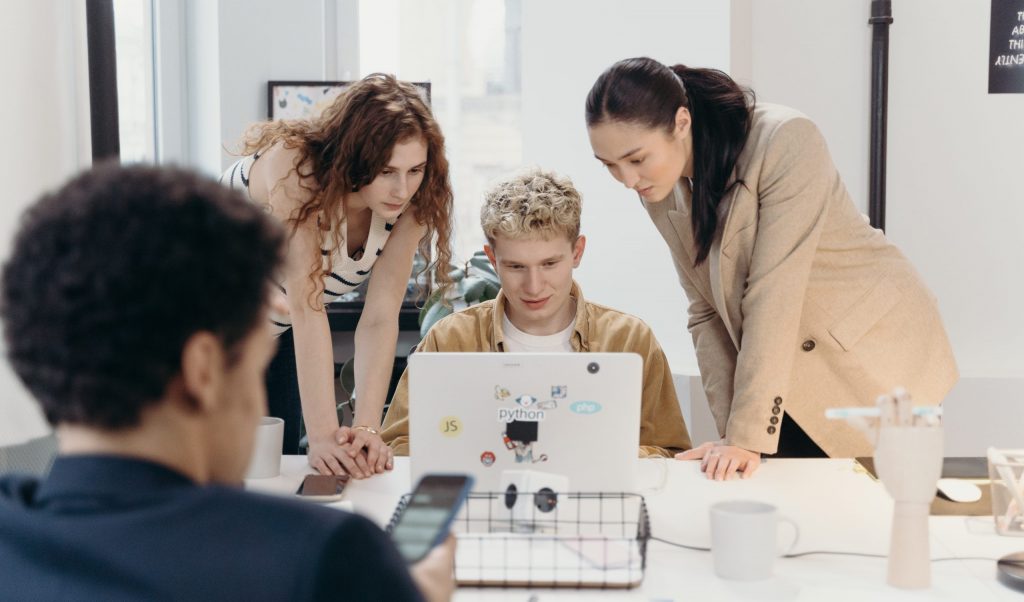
[720, 461]
[365, 453]
[326, 454]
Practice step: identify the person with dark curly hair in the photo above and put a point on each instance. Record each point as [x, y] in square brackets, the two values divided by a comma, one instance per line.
[361, 187]
[134, 308]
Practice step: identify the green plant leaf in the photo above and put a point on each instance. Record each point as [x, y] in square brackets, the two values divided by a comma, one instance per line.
[474, 289]
[492, 278]
[480, 262]
[432, 300]
[491, 291]
[432, 315]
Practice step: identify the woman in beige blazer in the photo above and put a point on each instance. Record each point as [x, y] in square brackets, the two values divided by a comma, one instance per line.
[796, 304]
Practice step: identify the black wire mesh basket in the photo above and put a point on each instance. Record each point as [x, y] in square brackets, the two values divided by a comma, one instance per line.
[549, 539]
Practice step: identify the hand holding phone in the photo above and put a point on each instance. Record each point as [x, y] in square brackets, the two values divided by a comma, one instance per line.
[428, 515]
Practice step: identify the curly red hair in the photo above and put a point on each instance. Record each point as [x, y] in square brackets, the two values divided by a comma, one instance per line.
[348, 145]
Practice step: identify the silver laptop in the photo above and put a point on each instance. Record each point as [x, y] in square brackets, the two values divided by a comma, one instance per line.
[570, 414]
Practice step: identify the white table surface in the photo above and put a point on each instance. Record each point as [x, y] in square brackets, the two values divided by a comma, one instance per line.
[836, 506]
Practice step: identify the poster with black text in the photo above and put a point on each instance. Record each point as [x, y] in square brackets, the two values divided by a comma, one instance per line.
[1006, 47]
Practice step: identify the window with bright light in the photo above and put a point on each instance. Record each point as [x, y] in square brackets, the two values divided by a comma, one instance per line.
[469, 51]
[133, 34]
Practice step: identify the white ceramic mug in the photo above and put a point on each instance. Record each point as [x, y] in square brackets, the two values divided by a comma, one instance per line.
[266, 449]
[744, 539]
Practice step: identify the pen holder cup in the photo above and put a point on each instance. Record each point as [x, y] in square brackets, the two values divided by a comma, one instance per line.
[1006, 469]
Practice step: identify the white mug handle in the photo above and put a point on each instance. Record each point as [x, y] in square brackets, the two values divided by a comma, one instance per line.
[796, 535]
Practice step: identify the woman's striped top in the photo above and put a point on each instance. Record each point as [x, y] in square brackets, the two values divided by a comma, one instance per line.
[346, 273]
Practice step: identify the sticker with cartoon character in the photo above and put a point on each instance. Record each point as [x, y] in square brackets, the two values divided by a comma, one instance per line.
[487, 459]
[520, 437]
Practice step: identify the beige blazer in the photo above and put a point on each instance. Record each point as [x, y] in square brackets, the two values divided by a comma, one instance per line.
[801, 305]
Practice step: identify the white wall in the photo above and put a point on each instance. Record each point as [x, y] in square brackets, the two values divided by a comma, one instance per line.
[956, 180]
[565, 46]
[262, 40]
[46, 128]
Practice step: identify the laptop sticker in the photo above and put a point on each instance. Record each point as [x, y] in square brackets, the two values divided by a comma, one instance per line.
[559, 391]
[487, 459]
[501, 393]
[526, 400]
[451, 427]
[585, 407]
[520, 436]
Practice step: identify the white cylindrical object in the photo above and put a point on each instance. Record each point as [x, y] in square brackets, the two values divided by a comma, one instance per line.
[744, 539]
[266, 449]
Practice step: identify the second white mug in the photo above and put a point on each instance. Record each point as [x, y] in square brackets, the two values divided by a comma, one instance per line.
[744, 539]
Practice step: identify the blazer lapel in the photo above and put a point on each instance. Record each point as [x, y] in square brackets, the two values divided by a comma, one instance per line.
[723, 266]
[716, 266]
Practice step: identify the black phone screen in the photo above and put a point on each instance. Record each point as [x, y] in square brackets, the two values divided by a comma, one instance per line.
[424, 522]
[322, 485]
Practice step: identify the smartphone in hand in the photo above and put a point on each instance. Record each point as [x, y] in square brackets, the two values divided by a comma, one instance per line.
[425, 521]
[322, 487]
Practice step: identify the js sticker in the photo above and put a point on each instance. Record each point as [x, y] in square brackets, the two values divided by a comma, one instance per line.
[451, 426]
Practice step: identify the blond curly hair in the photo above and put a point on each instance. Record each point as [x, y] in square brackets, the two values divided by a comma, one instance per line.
[534, 202]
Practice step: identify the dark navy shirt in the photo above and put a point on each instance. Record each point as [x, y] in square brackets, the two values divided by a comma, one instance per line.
[114, 528]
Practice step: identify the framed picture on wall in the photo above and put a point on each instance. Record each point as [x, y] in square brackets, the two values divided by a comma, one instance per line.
[305, 99]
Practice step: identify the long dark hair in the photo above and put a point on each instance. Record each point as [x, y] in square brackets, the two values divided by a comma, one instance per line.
[643, 91]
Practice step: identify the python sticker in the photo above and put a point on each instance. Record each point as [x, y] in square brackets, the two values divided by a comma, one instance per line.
[523, 414]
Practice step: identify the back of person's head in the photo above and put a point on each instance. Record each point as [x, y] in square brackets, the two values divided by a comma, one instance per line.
[533, 203]
[351, 142]
[643, 91]
[110, 275]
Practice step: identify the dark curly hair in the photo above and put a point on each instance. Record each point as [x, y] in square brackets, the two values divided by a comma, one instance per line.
[112, 273]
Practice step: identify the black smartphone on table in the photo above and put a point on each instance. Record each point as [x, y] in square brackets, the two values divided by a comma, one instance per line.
[426, 518]
[322, 487]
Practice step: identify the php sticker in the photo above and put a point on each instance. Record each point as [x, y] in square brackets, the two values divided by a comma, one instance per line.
[585, 407]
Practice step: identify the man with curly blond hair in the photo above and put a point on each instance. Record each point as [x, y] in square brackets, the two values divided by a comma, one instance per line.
[532, 224]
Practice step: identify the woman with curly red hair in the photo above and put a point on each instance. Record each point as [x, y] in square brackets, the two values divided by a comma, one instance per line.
[360, 189]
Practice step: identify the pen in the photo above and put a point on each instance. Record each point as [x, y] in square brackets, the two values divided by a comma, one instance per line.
[869, 412]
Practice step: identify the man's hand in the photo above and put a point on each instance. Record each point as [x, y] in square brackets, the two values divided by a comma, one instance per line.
[720, 461]
[435, 574]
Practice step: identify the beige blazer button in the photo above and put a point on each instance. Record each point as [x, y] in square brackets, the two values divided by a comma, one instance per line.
[771, 430]
[808, 345]
[776, 410]
[774, 420]
[778, 401]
